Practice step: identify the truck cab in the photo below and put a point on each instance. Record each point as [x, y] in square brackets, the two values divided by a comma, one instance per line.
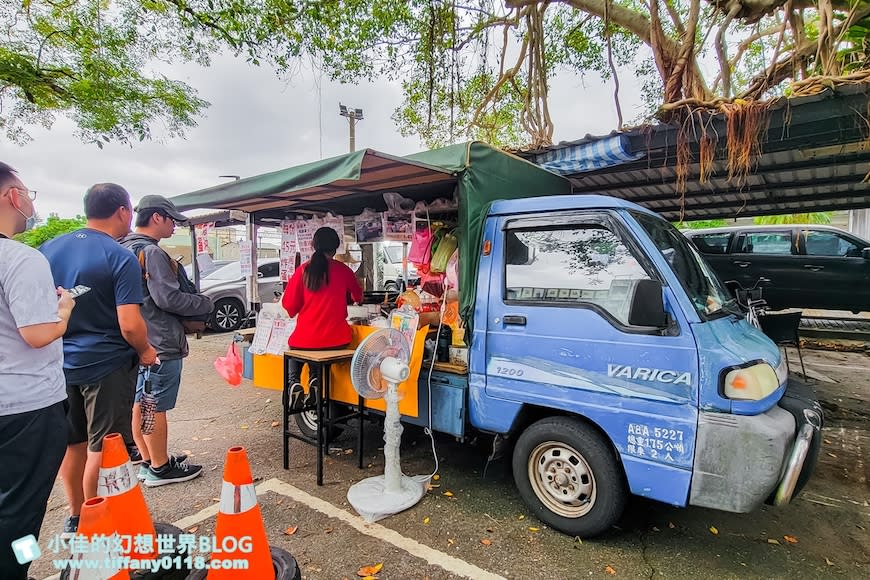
[611, 353]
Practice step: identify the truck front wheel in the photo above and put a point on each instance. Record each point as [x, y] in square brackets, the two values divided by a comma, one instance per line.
[569, 476]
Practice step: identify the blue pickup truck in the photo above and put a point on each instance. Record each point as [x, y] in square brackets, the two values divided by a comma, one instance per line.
[608, 352]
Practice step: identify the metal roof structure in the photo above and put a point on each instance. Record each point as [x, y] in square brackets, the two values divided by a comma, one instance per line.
[815, 156]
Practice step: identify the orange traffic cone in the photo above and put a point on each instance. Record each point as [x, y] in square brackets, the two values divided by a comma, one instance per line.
[239, 532]
[118, 484]
[100, 561]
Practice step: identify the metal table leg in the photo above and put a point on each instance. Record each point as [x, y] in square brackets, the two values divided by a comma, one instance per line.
[285, 406]
[320, 438]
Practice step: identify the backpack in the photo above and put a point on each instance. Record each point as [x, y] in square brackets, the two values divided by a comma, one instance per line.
[191, 324]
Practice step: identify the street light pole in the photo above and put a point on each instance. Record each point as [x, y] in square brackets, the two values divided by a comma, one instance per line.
[353, 115]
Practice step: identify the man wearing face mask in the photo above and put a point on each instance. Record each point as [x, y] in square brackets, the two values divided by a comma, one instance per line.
[33, 436]
[106, 340]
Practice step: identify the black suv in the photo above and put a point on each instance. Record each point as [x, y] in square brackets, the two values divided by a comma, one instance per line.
[808, 266]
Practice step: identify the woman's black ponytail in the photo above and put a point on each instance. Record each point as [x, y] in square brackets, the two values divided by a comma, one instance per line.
[316, 274]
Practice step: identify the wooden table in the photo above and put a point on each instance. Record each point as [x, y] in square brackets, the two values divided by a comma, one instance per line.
[319, 362]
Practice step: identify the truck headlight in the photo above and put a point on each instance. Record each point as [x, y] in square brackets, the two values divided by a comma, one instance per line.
[751, 383]
[782, 370]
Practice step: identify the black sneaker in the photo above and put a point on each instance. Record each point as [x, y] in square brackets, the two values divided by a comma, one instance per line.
[172, 472]
[311, 397]
[297, 396]
[146, 465]
[70, 527]
[135, 456]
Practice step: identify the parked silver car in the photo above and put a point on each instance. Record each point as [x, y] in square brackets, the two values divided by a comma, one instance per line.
[215, 266]
[226, 288]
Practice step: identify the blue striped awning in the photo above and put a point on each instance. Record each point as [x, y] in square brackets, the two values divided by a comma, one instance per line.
[598, 154]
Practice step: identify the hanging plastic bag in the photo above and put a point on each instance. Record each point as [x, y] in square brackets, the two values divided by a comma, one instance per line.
[433, 284]
[453, 270]
[230, 367]
[421, 244]
[441, 254]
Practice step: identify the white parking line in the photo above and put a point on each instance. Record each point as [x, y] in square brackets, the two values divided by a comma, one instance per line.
[430, 555]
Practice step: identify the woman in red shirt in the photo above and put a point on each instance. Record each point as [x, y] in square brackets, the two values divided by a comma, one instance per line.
[317, 294]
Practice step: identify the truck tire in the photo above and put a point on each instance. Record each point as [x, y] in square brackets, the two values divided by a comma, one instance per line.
[228, 315]
[569, 476]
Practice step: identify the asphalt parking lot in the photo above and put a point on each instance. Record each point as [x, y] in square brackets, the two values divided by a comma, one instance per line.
[476, 526]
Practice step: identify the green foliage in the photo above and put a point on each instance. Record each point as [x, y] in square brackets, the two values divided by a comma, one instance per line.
[90, 60]
[701, 224]
[53, 227]
[821, 217]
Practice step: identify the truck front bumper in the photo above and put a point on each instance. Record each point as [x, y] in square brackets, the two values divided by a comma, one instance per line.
[800, 401]
[744, 461]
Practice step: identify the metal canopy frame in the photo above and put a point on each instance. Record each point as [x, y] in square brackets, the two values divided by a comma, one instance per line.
[815, 156]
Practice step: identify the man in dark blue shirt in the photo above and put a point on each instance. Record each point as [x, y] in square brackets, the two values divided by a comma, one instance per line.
[106, 338]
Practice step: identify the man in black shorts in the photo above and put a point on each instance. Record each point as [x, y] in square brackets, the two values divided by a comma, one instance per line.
[106, 339]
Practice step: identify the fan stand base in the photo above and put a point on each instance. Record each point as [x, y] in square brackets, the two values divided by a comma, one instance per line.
[369, 498]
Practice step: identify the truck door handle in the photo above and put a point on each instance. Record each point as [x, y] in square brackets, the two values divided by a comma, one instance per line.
[742, 264]
[813, 267]
[514, 320]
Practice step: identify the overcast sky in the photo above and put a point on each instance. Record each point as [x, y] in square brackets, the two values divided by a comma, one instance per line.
[258, 123]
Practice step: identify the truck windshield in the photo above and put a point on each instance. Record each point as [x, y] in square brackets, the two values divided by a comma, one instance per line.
[706, 292]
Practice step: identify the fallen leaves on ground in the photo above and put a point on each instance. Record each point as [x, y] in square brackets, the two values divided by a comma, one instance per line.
[328, 530]
[275, 423]
[521, 517]
[773, 541]
[790, 539]
[610, 570]
[426, 520]
[578, 541]
[369, 571]
[714, 530]
[193, 529]
[436, 477]
[486, 542]
[244, 426]
[828, 562]
[671, 525]
[447, 494]
[490, 530]
[534, 529]
[291, 530]
[451, 541]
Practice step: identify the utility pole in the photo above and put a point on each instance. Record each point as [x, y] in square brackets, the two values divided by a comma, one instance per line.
[353, 115]
[367, 272]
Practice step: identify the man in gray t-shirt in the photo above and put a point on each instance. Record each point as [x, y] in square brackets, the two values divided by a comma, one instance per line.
[33, 431]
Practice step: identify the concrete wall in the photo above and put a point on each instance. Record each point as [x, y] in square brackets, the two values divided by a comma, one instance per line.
[859, 223]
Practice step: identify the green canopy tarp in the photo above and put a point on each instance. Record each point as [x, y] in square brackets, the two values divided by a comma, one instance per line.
[486, 175]
[344, 184]
[347, 184]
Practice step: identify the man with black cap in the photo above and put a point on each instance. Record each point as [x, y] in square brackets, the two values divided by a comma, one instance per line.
[165, 302]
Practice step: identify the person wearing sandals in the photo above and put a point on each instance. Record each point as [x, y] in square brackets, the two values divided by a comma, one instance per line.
[317, 294]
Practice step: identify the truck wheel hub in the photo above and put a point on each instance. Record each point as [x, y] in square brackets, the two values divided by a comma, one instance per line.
[562, 479]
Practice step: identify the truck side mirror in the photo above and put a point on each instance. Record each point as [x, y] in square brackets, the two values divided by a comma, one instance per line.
[647, 305]
[865, 253]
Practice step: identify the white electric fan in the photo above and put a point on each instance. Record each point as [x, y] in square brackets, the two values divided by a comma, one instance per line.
[378, 366]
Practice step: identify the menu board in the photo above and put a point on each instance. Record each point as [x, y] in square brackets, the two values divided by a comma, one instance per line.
[201, 232]
[289, 247]
[245, 258]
